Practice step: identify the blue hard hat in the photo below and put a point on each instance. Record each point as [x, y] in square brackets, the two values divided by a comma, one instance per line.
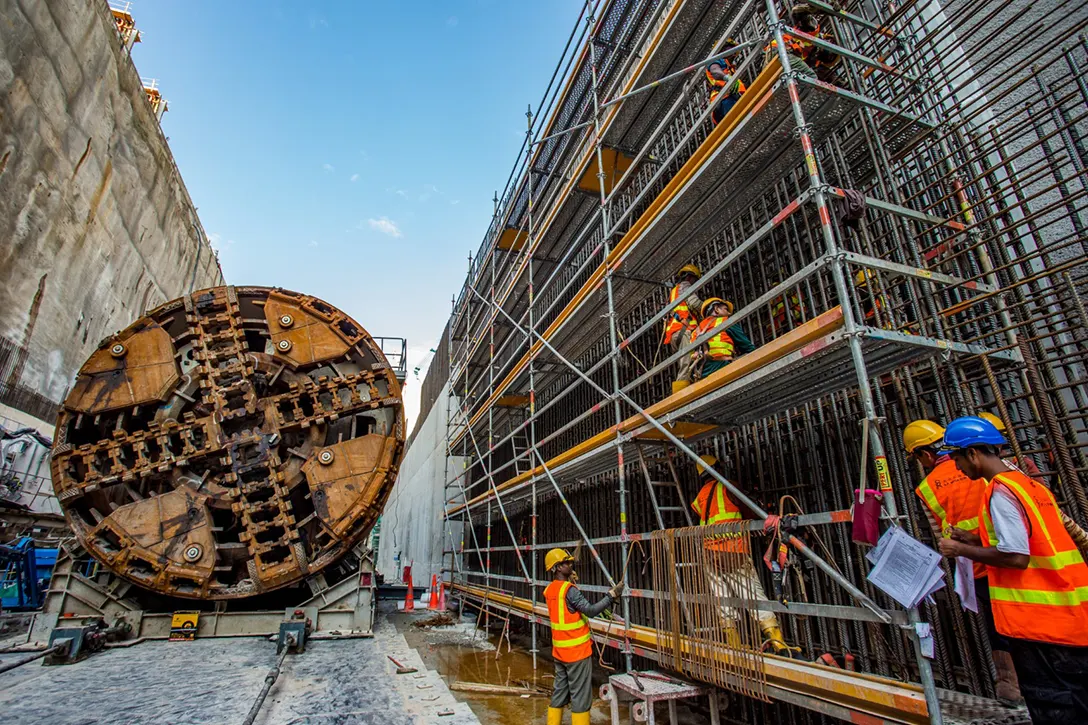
[971, 431]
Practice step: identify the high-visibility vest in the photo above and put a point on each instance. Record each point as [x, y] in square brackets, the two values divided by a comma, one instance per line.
[570, 630]
[778, 311]
[794, 46]
[720, 346]
[953, 499]
[1048, 601]
[716, 84]
[715, 507]
[679, 319]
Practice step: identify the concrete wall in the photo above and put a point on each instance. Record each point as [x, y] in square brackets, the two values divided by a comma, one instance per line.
[95, 222]
[412, 527]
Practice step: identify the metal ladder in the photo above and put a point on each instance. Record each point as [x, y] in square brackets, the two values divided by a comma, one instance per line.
[678, 513]
[520, 444]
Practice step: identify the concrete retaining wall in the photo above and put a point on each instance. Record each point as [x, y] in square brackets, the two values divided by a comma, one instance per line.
[96, 225]
[412, 528]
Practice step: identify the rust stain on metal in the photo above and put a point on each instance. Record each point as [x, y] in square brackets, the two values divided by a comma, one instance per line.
[28, 332]
[197, 457]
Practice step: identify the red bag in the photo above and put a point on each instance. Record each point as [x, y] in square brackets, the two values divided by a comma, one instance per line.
[866, 517]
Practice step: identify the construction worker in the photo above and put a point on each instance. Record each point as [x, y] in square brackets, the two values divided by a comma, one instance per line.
[724, 575]
[801, 52]
[681, 321]
[718, 74]
[872, 300]
[1038, 579]
[1006, 452]
[786, 313]
[569, 612]
[719, 350]
[951, 500]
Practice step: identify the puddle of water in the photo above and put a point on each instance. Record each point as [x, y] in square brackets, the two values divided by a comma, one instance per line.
[455, 659]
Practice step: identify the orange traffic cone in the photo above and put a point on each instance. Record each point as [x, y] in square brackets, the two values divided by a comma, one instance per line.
[410, 597]
[432, 601]
[442, 597]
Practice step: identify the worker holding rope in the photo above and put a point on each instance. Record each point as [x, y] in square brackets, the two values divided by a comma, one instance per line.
[572, 649]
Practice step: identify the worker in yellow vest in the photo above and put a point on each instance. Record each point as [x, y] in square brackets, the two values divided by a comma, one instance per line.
[681, 321]
[728, 575]
[719, 350]
[952, 500]
[572, 649]
[1038, 579]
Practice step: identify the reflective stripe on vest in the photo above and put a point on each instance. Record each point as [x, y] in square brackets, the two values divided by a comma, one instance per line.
[679, 319]
[951, 490]
[1047, 601]
[570, 630]
[724, 511]
[720, 346]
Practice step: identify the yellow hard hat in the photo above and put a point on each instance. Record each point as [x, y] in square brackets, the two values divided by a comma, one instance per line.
[707, 460]
[710, 301]
[690, 269]
[921, 433]
[995, 420]
[556, 556]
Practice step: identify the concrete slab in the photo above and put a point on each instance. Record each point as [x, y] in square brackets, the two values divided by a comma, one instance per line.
[213, 681]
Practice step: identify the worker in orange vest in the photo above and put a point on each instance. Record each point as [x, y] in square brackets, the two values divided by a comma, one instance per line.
[951, 500]
[720, 349]
[718, 73]
[681, 321]
[728, 575]
[1038, 579]
[572, 649]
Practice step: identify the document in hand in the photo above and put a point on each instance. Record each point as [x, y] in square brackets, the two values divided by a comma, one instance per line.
[905, 569]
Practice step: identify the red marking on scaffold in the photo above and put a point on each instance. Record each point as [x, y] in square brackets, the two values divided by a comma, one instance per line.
[939, 249]
[793, 94]
[806, 144]
[624, 343]
[825, 218]
[781, 216]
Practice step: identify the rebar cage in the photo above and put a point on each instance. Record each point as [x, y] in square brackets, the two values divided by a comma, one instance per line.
[958, 290]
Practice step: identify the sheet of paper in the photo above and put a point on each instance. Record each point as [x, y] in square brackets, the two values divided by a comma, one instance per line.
[925, 639]
[965, 584]
[904, 568]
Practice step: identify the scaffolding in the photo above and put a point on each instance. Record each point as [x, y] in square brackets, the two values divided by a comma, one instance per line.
[958, 290]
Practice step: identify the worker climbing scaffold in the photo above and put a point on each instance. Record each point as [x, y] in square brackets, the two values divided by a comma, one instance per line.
[725, 577]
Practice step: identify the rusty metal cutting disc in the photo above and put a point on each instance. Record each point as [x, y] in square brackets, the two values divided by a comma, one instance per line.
[229, 443]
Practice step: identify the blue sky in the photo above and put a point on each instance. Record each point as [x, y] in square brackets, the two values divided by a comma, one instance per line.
[351, 149]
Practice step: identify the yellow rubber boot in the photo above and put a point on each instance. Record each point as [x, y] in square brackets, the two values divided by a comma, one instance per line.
[773, 635]
[579, 718]
[678, 385]
[555, 716]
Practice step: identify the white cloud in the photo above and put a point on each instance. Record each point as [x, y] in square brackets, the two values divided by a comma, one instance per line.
[313, 243]
[329, 168]
[385, 225]
[354, 177]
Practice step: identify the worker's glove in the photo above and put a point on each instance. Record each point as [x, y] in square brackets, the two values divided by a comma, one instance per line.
[617, 591]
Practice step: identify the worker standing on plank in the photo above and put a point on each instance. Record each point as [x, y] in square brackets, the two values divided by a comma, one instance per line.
[1038, 579]
[1006, 452]
[719, 350]
[718, 75]
[681, 321]
[725, 578]
[952, 501]
[572, 649]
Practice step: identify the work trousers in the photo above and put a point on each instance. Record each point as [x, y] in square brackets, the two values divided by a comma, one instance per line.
[733, 575]
[573, 684]
[683, 365]
[1053, 680]
[710, 367]
[723, 107]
